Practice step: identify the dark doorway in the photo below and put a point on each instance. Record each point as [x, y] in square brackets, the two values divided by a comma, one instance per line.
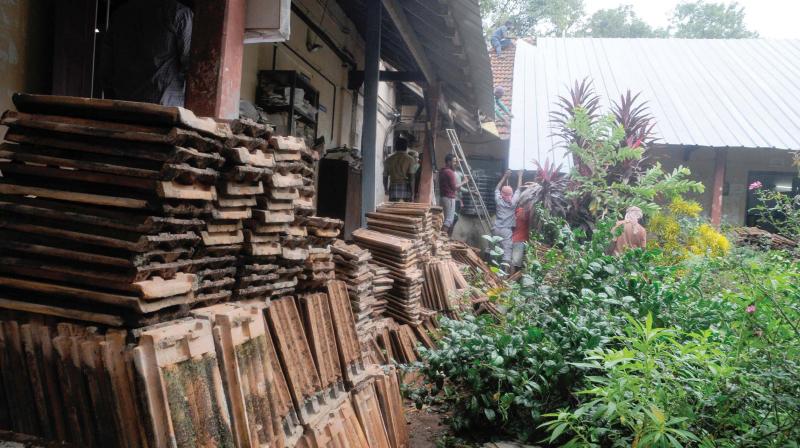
[79, 28]
[785, 183]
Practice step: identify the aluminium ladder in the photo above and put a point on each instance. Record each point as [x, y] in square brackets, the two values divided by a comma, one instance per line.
[472, 187]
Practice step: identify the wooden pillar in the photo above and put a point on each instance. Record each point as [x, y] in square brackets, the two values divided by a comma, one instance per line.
[720, 159]
[429, 154]
[214, 77]
[372, 59]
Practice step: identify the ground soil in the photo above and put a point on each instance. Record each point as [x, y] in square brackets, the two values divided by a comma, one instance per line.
[425, 426]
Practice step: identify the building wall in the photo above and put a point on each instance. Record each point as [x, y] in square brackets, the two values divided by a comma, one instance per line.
[26, 58]
[25, 43]
[341, 120]
[740, 163]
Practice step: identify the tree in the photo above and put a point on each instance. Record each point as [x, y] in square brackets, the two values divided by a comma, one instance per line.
[701, 20]
[533, 17]
[621, 21]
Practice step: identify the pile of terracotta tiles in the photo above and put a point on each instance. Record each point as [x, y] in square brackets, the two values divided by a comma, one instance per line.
[287, 372]
[104, 203]
[164, 282]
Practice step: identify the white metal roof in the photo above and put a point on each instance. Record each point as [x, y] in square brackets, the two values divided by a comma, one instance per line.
[742, 93]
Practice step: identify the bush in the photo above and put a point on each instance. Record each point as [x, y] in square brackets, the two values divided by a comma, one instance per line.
[679, 232]
[637, 350]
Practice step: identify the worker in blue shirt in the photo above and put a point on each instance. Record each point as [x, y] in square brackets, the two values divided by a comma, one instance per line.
[500, 38]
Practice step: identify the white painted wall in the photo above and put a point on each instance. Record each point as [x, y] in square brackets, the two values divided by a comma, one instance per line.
[340, 124]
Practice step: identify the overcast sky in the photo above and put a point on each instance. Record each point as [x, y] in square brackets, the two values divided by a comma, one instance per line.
[775, 19]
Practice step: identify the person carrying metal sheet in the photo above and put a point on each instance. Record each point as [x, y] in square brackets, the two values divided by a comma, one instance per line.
[506, 200]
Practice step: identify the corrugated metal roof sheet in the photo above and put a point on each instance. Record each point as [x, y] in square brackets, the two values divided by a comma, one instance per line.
[741, 93]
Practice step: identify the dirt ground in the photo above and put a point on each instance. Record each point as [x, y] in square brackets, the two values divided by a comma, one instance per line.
[425, 427]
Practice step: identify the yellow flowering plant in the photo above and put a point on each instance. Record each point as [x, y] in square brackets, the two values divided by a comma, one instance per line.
[678, 231]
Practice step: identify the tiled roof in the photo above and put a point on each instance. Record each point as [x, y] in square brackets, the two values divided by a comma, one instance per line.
[503, 74]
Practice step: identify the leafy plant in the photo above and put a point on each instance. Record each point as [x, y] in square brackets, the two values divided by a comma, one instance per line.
[602, 157]
[581, 97]
[635, 118]
[679, 231]
[636, 350]
[547, 195]
[779, 212]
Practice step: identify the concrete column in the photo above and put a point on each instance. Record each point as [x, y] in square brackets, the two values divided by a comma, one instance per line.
[214, 78]
[369, 130]
[720, 160]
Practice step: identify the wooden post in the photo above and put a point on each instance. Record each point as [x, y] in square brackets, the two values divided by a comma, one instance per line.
[429, 154]
[720, 159]
[215, 69]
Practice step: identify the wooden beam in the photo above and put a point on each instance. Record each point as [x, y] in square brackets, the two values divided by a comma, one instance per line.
[214, 78]
[432, 97]
[355, 78]
[720, 160]
[398, 16]
[343, 55]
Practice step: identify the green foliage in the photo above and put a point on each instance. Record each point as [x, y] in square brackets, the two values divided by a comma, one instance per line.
[496, 253]
[701, 20]
[621, 21]
[779, 212]
[596, 173]
[634, 350]
[533, 17]
[696, 19]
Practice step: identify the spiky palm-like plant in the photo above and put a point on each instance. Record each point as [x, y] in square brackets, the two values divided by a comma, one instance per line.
[581, 96]
[635, 118]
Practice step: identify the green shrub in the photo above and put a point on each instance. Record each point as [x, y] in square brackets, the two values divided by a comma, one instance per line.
[635, 350]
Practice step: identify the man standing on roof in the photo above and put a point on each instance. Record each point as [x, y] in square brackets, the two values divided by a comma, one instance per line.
[398, 173]
[500, 38]
[506, 200]
[146, 52]
[501, 111]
